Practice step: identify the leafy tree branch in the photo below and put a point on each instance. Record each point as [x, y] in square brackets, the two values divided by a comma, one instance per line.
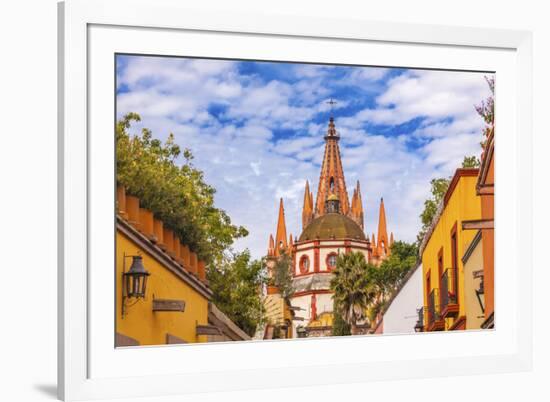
[163, 177]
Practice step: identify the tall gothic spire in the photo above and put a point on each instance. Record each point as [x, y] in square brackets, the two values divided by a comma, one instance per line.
[374, 247]
[357, 206]
[383, 244]
[280, 237]
[331, 180]
[271, 246]
[307, 210]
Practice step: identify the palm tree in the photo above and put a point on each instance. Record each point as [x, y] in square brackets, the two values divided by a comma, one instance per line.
[353, 288]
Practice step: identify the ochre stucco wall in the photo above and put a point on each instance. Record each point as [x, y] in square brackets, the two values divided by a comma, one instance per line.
[140, 322]
[463, 204]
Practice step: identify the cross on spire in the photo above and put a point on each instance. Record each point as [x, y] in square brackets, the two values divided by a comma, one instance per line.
[331, 102]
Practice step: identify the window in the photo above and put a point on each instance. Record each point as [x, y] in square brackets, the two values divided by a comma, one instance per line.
[304, 264]
[331, 261]
[454, 261]
[440, 273]
[332, 184]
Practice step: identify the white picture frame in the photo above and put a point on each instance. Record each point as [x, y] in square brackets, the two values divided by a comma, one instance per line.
[90, 367]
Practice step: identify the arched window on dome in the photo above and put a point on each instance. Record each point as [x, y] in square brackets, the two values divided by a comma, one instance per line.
[331, 185]
[304, 264]
[331, 261]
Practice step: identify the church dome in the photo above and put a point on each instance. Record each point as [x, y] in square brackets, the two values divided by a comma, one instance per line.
[332, 226]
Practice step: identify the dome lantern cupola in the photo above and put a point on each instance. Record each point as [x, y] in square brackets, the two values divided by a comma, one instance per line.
[332, 204]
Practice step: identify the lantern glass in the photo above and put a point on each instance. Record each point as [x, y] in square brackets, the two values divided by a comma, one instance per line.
[144, 287]
[136, 289]
[136, 278]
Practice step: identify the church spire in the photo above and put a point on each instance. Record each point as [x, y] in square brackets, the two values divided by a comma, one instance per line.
[280, 236]
[383, 244]
[357, 206]
[331, 180]
[271, 246]
[307, 210]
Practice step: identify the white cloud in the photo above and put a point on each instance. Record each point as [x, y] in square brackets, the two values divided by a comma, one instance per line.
[176, 88]
[251, 170]
[297, 145]
[365, 77]
[431, 94]
[311, 70]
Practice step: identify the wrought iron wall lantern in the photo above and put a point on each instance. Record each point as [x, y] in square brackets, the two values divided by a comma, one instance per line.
[419, 326]
[134, 281]
[480, 292]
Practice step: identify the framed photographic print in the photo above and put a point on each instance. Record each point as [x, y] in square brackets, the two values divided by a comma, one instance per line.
[255, 201]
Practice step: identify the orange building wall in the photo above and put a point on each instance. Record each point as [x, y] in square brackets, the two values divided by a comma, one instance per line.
[488, 239]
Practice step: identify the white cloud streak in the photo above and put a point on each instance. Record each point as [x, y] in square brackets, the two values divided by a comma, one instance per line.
[251, 168]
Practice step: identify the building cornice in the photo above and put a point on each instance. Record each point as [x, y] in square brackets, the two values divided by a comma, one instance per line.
[459, 173]
[224, 323]
[164, 259]
[312, 243]
[311, 292]
[312, 273]
[462, 172]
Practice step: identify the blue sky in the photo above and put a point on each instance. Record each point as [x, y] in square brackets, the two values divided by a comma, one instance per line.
[256, 130]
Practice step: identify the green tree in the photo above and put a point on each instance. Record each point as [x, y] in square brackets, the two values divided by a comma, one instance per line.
[167, 183]
[389, 275]
[486, 109]
[339, 326]
[392, 270]
[282, 276]
[353, 288]
[235, 284]
[470, 162]
[437, 192]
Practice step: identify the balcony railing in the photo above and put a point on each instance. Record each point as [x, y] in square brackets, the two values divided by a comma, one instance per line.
[433, 317]
[432, 311]
[449, 301]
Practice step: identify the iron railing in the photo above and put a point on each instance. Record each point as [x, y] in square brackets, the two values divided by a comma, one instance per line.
[448, 288]
[433, 313]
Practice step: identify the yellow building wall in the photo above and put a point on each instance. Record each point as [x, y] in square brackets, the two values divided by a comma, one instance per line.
[140, 322]
[463, 204]
[323, 320]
